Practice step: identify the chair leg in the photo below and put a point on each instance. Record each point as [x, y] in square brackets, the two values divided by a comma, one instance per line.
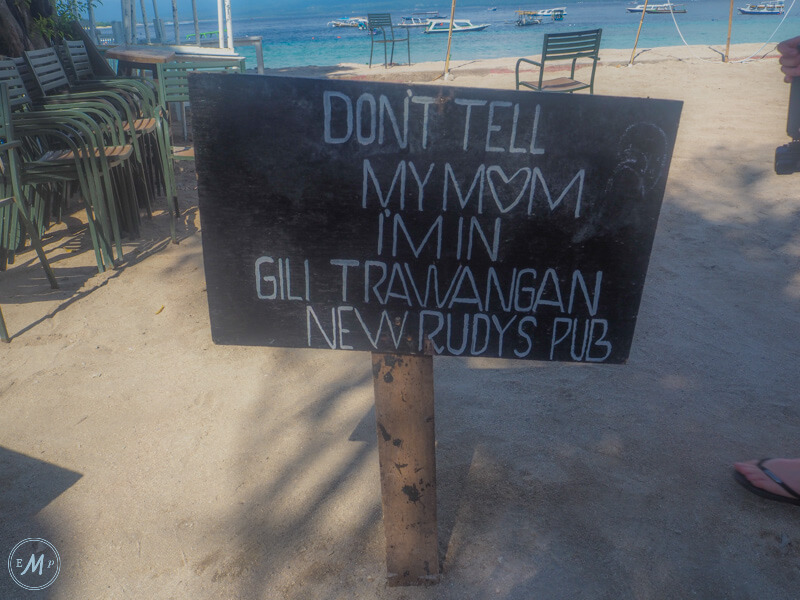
[183, 122]
[3, 331]
[37, 244]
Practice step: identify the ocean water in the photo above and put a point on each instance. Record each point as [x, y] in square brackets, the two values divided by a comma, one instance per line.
[305, 39]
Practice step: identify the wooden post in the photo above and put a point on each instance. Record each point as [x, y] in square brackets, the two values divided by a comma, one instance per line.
[144, 21]
[638, 31]
[728, 43]
[196, 23]
[175, 25]
[404, 411]
[449, 40]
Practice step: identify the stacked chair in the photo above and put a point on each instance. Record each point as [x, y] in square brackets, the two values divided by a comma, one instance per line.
[14, 209]
[79, 143]
[63, 150]
[128, 109]
[173, 91]
[106, 138]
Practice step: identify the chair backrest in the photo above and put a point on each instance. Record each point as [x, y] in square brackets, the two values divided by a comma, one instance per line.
[173, 76]
[63, 57]
[47, 70]
[16, 96]
[76, 56]
[27, 77]
[379, 21]
[572, 45]
[6, 129]
[9, 228]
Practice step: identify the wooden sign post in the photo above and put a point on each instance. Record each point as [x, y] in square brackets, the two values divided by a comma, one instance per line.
[412, 221]
[404, 414]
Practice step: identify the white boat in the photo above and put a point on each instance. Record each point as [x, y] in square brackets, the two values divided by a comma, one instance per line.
[766, 8]
[527, 17]
[459, 26]
[658, 8]
[552, 13]
[536, 17]
[358, 22]
[667, 8]
[419, 19]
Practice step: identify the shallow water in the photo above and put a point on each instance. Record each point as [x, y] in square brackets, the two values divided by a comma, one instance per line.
[305, 39]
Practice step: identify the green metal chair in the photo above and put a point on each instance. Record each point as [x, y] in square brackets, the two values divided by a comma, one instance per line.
[574, 46]
[14, 220]
[381, 31]
[173, 90]
[116, 139]
[61, 149]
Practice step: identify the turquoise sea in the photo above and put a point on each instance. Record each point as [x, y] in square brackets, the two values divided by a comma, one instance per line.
[303, 38]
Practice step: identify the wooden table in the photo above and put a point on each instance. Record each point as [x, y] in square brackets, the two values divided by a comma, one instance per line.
[139, 57]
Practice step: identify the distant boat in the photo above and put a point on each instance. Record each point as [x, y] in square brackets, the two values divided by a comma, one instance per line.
[665, 8]
[526, 18]
[536, 17]
[552, 12]
[419, 19]
[358, 22]
[492, 9]
[658, 8]
[459, 26]
[766, 8]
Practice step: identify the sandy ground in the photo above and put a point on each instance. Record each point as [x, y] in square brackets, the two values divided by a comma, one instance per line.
[163, 466]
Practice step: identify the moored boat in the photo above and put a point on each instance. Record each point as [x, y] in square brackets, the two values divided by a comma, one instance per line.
[555, 13]
[358, 22]
[419, 19]
[527, 17]
[765, 8]
[536, 17]
[658, 9]
[459, 26]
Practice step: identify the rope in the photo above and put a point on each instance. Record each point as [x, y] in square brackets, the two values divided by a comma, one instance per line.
[678, 29]
[786, 14]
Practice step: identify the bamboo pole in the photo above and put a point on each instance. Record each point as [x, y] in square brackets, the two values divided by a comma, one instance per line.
[156, 23]
[175, 21]
[132, 8]
[144, 20]
[92, 23]
[219, 22]
[228, 24]
[126, 21]
[730, 24]
[155, 10]
[196, 23]
[641, 22]
[449, 40]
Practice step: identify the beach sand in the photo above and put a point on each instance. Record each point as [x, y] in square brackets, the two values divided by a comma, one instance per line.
[163, 466]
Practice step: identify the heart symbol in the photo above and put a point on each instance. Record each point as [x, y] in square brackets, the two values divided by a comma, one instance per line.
[507, 183]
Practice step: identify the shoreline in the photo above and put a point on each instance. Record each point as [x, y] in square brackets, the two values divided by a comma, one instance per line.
[432, 70]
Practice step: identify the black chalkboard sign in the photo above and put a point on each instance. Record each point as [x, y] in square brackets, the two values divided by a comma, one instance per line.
[376, 216]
